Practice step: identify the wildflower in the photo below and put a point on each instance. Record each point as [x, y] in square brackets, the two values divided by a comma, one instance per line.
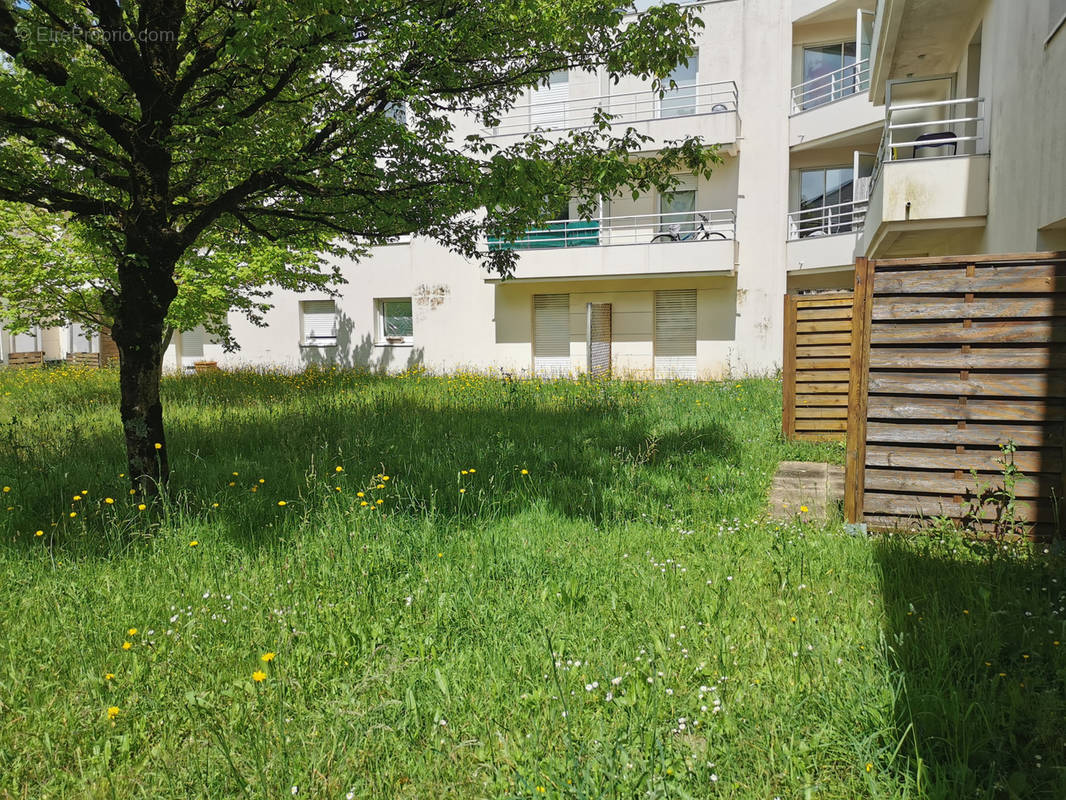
[133, 491]
[109, 500]
[235, 474]
[259, 676]
[869, 767]
[158, 446]
[282, 503]
[386, 477]
[112, 712]
[380, 501]
[525, 471]
[126, 645]
[804, 509]
[132, 631]
[262, 480]
[337, 488]
[440, 555]
[108, 676]
[41, 533]
[461, 491]
[232, 483]
[364, 503]
[472, 470]
[141, 506]
[194, 543]
[360, 494]
[338, 469]
[214, 505]
[7, 489]
[73, 514]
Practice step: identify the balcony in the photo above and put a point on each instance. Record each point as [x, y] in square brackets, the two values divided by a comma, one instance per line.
[824, 237]
[708, 110]
[931, 173]
[832, 104]
[636, 245]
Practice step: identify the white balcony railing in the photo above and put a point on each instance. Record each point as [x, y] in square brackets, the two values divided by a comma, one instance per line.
[682, 226]
[934, 128]
[684, 101]
[847, 217]
[831, 87]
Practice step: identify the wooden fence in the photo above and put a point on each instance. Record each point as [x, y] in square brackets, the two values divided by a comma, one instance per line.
[26, 359]
[817, 355]
[953, 359]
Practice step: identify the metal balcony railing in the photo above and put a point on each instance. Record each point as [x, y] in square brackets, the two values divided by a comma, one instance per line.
[847, 217]
[935, 128]
[681, 226]
[684, 101]
[831, 87]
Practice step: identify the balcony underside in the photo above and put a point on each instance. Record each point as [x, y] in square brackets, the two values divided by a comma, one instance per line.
[817, 253]
[662, 259]
[835, 124]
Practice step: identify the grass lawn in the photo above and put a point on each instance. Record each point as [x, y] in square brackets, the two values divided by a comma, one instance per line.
[424, 587]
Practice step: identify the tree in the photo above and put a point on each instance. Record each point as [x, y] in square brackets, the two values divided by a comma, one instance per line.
[175, 158]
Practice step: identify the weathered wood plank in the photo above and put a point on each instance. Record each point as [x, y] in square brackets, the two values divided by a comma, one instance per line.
[834, 312]
[827, 301]
[823, 363]
[928, 506]
[945, 483]
[824, 351]
[973, 434]
[822, 375]
[1034, 357]
[822, 424]
[986, 258]
[1034, 278]
[824, 326]
[818, 436]
[978, 410]
[987, 332]
[987, 460]
[807, 400]
[788, 370]
[1031, 384]
[855, 455]
[821, 412]
[803, 339]
[926, 308]
[903, 524]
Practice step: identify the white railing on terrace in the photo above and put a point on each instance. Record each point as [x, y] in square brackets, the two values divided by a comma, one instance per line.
[684, 101]
[847, 217]
[936, 128]
[682, 226]
[831, 87]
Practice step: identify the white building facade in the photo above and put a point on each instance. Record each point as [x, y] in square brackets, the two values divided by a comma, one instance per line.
[847, 128]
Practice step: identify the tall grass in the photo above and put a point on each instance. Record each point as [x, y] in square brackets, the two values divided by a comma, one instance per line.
[567, 590]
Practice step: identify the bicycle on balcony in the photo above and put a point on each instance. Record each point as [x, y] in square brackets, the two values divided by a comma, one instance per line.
[701, 233]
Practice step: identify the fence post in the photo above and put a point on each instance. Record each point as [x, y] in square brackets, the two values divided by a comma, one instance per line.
[858, 383]
[788, 370]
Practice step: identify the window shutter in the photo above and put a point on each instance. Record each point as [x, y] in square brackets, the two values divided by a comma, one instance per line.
[551, 335]
[192, 346]
[547, 104]
[675, 334]
[319, 321]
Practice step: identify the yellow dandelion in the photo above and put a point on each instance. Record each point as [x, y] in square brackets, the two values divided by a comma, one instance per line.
[259, 676]
[73, 514]
[386, 477]
[364, 503]
[112, 712]
[232, 483]
[133, 491]
[194, 543]
[262, 480]
[338, 469]
[7, 489]
[440, 555]
[235, 474]
[41, 533]
[214, 505]
[127, 645]
[77, 497]
[463, 472]
[461, 491]
[337, 488]
[267, 657]
[869, 767]
[525, 471]
[132, 632]
[141, 506]
[380, 502]
[282, 503]
[158, 446]
[804, 509]
[108, 676]
[109, 500]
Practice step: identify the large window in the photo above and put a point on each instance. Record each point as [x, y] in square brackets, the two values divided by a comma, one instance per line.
[678, 208]
[395, 321]
[319, 323]
[547, 104]
[829, 73]
[821, 193]
[681, 101]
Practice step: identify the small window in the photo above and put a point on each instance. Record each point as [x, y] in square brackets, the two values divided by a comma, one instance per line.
[319, 323]
[680, 101]
[396, 323]
[677, 210]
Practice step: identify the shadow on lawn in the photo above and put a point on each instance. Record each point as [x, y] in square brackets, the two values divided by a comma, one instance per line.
[979, 640]
[593, 460]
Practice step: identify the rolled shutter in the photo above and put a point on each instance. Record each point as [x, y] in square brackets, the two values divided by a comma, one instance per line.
[675, 334]
[192, 346]
[547, 104]
[551, 335]
[319, 322]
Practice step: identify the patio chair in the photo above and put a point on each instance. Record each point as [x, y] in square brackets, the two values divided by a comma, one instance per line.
[937, 139]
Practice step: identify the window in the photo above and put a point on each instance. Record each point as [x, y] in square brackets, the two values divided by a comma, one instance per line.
[547, 104]
[319, 323]
[395, 321]
[828, 73]
[675, 334]
[551, 335]
[821, 193]
[681, 101]
[678, 208]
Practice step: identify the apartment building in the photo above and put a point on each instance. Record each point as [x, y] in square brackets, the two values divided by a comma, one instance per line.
[847, 128]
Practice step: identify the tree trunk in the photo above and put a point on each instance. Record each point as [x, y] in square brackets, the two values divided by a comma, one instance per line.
[139, 310]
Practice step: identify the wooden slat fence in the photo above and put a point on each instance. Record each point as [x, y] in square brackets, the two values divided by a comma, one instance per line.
[84, 359]
[817, 355]
[26, 359]
[952, 359]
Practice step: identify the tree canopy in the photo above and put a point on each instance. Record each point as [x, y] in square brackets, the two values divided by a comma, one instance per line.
[165, 161]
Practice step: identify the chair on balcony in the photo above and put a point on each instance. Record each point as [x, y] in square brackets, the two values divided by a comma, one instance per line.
[937, 139]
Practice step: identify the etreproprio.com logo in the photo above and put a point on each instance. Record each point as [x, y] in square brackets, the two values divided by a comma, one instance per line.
[44, 33]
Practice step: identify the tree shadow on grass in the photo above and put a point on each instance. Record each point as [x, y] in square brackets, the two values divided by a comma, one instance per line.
[978, 636]
[595, 460]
